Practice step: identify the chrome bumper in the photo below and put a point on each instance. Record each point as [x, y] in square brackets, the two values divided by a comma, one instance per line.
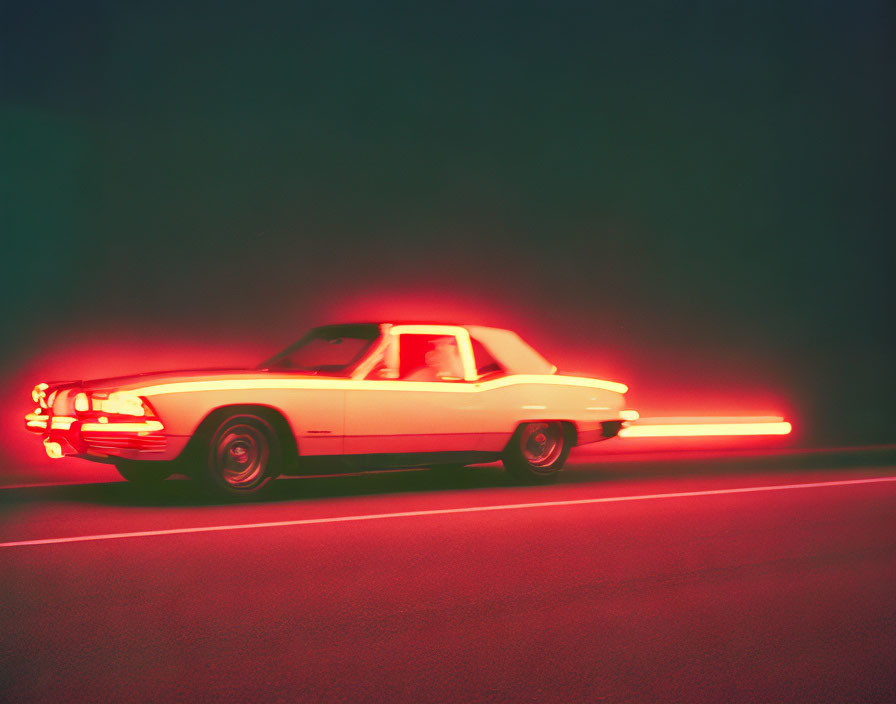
[67, 435]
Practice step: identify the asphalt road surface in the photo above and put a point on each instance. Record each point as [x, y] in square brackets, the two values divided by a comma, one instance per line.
[663, 578]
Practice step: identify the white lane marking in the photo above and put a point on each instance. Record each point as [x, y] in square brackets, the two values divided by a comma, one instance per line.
[442, 511]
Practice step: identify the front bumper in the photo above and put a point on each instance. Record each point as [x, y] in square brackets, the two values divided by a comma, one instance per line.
[68, 435]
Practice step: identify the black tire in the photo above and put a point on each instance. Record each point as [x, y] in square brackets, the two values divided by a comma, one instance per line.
[242, 455]
[537, 452]
[143, 473]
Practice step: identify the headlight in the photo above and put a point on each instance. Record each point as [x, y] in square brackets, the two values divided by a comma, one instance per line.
[39, 394]
[116, 403]
[82, 403]
[123, 403]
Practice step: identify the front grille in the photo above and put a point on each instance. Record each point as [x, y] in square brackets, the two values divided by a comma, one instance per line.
[123, 441]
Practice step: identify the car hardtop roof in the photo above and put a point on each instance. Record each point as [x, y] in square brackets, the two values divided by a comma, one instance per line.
[412, 321]
[513, 353]
[399, 321]
[395, 322]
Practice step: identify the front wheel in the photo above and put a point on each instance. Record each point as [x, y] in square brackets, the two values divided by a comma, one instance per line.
[144, 473]
[243, 455]
[537, 452]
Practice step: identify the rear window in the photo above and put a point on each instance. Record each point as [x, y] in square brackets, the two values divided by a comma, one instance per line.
[485, 363]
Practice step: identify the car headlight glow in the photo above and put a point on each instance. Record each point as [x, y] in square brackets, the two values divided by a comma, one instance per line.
[82, 403]
[122, 403]
[39, 394]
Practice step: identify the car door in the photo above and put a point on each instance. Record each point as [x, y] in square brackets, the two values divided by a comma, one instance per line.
[418, 399]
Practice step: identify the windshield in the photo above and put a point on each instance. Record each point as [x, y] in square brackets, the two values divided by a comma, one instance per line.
[332, 349]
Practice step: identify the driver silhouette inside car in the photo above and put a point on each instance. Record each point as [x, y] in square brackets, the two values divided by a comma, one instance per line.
[442, 363]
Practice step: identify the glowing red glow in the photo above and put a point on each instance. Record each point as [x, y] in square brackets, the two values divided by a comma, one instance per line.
[53, 449]
[117, 403]
[703, 427]
[39, 394]
[69, 355]
[36, 420]
[109, 351]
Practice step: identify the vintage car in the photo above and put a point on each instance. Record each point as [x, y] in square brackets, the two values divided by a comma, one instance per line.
[363, 396]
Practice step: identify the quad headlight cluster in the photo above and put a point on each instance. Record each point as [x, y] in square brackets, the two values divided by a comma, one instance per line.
[120, 403]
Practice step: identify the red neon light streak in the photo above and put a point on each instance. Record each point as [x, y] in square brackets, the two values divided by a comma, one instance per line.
[703, 427]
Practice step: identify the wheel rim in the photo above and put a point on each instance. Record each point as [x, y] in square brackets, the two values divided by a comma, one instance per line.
[241, 455]
[541, 443]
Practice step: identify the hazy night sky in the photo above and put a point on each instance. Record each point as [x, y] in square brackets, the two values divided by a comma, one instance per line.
[700, 195]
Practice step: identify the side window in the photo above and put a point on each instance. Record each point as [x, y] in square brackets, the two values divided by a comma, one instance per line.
[429, 358]
[485, 363]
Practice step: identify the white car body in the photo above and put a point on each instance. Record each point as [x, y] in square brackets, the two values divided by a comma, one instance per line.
[367, 412]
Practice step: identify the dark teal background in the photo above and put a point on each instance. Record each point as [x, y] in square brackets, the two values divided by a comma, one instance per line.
[685, 186]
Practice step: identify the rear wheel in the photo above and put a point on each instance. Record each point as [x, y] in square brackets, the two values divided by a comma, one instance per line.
[143, 473]
[537, 452]
[243, 455]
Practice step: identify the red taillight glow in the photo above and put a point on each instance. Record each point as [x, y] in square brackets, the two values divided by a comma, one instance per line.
[705, 426]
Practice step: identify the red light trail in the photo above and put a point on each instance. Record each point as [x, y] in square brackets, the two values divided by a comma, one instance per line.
[706, 426]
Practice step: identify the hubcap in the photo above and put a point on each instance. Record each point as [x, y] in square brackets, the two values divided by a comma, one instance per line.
[541, 443]
[242, 455]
